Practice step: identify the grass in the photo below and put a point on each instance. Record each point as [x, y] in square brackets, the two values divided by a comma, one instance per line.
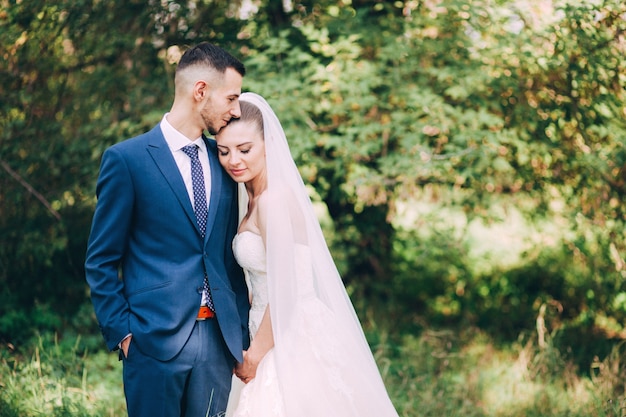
[443, 373]
[438, 373]
[61, 379]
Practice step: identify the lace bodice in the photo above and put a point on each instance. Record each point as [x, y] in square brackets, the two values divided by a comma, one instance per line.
[250, 254]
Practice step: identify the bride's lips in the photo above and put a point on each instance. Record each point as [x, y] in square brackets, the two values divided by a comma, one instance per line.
[237, 172]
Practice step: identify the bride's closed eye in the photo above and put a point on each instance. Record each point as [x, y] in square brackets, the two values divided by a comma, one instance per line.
[225, 153]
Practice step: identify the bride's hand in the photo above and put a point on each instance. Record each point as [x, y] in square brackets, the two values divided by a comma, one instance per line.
[246, 371]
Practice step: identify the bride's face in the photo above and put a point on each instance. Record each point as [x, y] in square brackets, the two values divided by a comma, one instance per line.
[241, 151]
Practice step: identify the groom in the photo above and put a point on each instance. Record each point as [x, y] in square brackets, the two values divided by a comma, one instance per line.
[164, 284]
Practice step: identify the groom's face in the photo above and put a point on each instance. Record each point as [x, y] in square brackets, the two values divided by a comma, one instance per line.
[222, 103]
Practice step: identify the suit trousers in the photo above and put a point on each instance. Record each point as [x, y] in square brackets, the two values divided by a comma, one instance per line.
[195, 383]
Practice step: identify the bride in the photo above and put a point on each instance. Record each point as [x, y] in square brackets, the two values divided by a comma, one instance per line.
[308, 356]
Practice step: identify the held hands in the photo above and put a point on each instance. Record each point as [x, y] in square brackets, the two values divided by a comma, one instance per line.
[261, 344]
[246, 371]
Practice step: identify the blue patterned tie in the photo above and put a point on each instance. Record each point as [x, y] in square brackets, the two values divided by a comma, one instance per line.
[199, 203]
[199, 191]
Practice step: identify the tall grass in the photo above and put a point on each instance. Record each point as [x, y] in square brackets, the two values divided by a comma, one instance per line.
[438, 373]
[60, 379]
[443, 373]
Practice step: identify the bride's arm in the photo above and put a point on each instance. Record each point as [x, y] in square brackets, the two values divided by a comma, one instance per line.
[263, 340]
[261, 344]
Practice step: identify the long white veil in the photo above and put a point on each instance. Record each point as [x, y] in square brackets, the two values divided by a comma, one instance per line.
[326, 368]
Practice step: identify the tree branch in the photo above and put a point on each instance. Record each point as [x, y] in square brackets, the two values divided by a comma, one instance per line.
[30, 189]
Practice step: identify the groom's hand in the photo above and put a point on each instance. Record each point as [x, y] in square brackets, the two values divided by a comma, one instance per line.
[125, 344]
[246, 371]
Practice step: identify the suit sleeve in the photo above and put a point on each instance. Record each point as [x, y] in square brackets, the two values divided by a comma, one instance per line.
[107, 241]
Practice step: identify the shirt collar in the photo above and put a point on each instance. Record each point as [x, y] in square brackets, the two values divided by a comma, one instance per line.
[176, 140]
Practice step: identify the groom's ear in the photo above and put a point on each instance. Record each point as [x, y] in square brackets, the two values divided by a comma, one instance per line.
[200, 90]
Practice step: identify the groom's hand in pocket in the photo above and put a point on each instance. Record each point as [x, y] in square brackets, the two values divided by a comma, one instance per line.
[124, 344]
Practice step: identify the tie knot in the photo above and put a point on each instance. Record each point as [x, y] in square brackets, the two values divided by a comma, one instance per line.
[191, 150]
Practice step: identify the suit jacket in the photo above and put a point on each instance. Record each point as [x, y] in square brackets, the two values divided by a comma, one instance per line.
[146, 257]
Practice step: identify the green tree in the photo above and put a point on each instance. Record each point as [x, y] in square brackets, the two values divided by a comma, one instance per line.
[486, 104]
[75, 77]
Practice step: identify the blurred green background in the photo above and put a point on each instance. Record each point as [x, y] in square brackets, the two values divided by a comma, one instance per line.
[468, 160]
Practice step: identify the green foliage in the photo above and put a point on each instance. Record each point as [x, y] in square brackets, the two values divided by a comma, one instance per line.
[385, 104]
[431, 276]
[57, 71]
[439, 281]
[464, 373]
[492, 105]
[68, 93]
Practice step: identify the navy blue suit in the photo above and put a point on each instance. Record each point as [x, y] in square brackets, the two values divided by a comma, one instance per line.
[144, 226]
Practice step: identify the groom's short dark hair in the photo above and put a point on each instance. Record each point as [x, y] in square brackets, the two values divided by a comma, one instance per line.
[212, 56]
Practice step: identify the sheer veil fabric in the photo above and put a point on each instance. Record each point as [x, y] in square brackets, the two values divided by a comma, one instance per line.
[324, 366]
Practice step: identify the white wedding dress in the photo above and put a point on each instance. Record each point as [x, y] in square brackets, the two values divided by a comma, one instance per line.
[316, 346]
[261, 393]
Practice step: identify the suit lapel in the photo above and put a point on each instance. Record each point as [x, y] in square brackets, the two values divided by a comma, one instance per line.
[160, 152]
[216, 185]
